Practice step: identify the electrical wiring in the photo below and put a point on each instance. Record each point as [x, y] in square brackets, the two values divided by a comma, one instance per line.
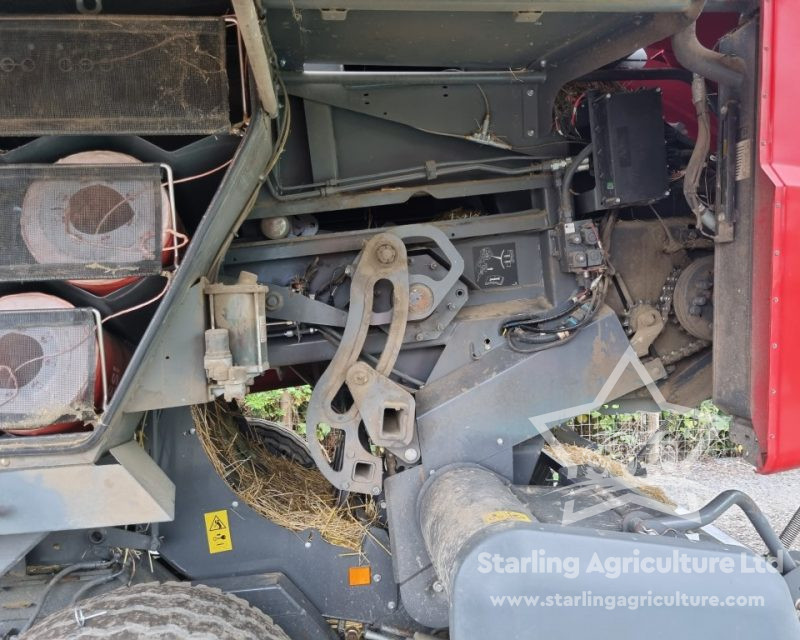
[280, 145]
[556, 327]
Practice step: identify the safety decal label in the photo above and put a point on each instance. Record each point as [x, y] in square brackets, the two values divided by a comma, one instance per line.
[217, 531]
[503, 516]
[496, 265]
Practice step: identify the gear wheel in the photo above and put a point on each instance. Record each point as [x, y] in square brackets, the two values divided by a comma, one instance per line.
[693, 298]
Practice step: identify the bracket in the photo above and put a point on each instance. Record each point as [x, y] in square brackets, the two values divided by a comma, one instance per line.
[382, 258]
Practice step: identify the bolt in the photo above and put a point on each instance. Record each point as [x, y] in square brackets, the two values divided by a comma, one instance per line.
[451, 306]
[282, 62]
[500, 441]
[386, 253]
[391, 605]
[411, 454]
[360, 377]
[530, 133]
[529, 93]
[307, 545]
[235, 504]
[433, 266]
[440, 327]
[419, 337]
[376, 577]
[376, 490]
[4, 462]
[383, 504]
[192, 430]
[437, 586]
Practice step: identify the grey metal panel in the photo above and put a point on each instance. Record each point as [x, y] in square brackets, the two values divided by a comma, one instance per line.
[480, 411]
[472, 614]
[176, 374]
[244, 252]
[475, 40]
[321, 141]
[734, 294]
[259, 545]
[483, 5]
[83, 496]
[269, 207]
[14, 547]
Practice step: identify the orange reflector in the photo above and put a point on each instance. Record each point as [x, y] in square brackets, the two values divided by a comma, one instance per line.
[359, 576]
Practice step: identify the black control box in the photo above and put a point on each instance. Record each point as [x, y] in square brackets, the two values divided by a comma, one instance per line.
[629, 156]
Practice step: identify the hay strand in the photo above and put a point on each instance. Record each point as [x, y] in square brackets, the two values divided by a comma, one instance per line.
[279, 489]
[574, 455]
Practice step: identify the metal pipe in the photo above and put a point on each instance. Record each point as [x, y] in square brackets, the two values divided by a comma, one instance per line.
[717, 67]
[708, 514]
[250, 30]
[413, 78]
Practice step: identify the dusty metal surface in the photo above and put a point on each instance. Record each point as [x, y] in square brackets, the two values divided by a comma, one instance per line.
[383, 258]
[93, 74]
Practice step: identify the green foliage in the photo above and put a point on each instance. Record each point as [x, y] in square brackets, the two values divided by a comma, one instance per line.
[705, 430]
[267, 405]
[706, 427]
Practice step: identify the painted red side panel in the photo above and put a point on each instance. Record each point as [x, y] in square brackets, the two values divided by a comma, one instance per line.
[776, 302]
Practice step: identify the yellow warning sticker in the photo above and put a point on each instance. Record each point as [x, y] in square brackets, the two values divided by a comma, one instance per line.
[217, 531]
[503, 516]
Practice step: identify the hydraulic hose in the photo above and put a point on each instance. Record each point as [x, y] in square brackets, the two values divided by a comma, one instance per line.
[567, 206]
[710, 512]
[697, 161]
[80, 566]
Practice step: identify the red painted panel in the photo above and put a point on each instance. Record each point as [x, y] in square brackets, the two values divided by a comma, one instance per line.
[776, 271]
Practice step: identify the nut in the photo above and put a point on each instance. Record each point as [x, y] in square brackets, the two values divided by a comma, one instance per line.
[386, 253]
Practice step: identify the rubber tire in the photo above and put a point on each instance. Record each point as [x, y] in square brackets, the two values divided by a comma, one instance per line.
[279, 441]
[167, 611]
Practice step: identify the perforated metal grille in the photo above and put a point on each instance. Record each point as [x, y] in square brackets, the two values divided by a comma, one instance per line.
[116, 75]
[47, 367]
[65, 222]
